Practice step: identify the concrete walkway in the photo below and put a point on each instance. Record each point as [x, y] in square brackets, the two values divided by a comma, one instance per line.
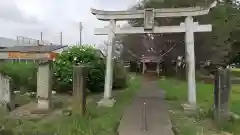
[157, 117]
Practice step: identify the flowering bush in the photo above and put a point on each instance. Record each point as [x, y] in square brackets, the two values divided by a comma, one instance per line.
[79, 55]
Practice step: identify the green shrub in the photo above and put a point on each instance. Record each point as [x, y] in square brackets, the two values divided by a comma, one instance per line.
[79, 55]
[23, 75]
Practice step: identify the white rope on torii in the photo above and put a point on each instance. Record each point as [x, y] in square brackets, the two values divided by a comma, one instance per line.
[189, 27]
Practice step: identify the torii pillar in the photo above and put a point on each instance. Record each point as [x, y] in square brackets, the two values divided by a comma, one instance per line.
[107, 99]
[190, 55]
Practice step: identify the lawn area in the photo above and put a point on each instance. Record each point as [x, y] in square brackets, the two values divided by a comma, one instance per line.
[235, 69]
[98, 120]
[177, 94]
[235, 72]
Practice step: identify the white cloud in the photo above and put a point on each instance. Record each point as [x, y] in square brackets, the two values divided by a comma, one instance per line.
[10, 11]
[30, 17]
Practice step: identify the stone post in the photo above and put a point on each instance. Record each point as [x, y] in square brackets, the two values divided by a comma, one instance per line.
[112, 74]
[44, 86]
[138, 67]
[158, 69]
[190, 55]
[79, 89]
[221, 96]
[143, 68]
[226, 92]
[5, 91]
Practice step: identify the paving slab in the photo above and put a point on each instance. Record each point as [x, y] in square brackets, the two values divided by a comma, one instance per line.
[157, 119]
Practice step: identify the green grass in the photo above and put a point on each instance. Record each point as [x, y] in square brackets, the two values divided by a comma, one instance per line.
[235, 72]
[176, 94]
[235, 69]
[98, 120]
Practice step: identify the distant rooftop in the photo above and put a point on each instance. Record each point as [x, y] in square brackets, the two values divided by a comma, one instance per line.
[7, 42]
[32, 49]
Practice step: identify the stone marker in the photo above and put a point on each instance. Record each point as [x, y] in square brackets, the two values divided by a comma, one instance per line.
[79, 89]
[44, 86]
[221, 96]
[5, 91]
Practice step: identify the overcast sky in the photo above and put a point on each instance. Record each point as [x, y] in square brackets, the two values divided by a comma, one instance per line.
[30, 17]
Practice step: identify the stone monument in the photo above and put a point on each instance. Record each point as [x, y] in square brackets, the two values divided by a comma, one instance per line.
[79, 90]
[5, 91]
[222, 92]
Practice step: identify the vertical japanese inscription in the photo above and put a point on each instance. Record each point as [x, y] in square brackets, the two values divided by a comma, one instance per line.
[148, 19]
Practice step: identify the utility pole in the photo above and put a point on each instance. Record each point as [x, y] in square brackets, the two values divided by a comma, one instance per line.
[41, 36]
[17, 39]
[61, 43]
[80, 33]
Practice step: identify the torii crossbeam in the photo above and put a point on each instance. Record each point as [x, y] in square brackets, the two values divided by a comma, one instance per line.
[149, 15]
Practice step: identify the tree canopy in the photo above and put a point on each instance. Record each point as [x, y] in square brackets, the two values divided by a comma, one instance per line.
[218, 46]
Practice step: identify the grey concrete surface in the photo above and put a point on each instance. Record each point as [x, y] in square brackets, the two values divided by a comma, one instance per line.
[157, 116]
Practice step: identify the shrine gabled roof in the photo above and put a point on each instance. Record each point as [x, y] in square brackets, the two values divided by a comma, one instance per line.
[32, 49]
[151, 58]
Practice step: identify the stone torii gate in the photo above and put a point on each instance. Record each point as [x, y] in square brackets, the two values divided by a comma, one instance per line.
[149, 15]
